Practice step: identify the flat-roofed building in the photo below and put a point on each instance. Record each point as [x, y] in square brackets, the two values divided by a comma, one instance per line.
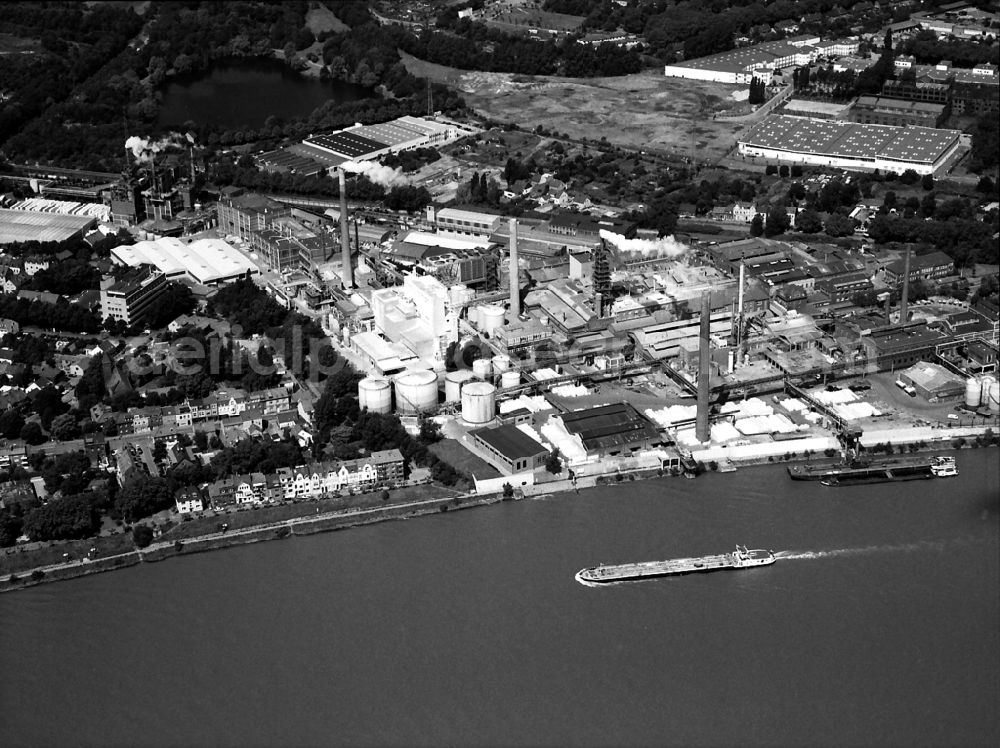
[131, 298]
[851, 146]
[881, 110]
[922, 267]
[612, 429]
[510, 449]
[467, 222]
[933, 382]
[29, 225]
[210, 262]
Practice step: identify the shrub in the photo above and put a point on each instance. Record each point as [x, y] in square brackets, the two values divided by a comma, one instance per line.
[142, 535]
[37, 574]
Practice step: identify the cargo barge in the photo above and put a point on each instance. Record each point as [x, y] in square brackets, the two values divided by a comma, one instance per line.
[741, 558]
[875, 471]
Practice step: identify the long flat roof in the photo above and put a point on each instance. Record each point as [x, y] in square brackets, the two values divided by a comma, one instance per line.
[851, 139]
[205, 260]
[27, 225]
[510, 441]
[614, 425]
[347, 143]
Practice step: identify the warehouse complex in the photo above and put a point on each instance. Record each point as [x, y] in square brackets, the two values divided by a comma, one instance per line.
[852, 146]
[33, 226]
[206, 261]
[365, 142]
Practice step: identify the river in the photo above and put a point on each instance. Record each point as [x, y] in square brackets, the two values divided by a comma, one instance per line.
[240, 93]
[879, 625]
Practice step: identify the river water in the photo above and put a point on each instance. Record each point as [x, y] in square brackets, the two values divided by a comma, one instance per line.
[240, 93]
[879, 625]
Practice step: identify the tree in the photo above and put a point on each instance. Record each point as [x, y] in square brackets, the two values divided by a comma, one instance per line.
[757, 225]
[809, 222]
[508, 491]
[62, 519]
[141, 498]
[909, 177]
[927, 182]
[65, 427]
[839, 225]
[11, 423]
[142, 535]
[777, 221]
[159, 450]
[553, 463]
[32, 434]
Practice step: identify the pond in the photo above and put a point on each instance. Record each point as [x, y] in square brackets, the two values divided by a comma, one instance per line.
[242, 93]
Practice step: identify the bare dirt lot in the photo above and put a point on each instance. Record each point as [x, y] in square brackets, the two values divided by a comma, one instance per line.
[641, 110]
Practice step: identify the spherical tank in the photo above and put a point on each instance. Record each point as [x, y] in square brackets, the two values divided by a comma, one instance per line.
[482, 368]
[490, 318]
[501, 363]
[984, 393]
[416, 391]
[973, 392]
[375, 394]
[453, 382]
[510, 379]
[995, 397]
[478, 402]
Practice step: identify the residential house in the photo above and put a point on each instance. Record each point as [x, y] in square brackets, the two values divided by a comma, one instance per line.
[189, 499]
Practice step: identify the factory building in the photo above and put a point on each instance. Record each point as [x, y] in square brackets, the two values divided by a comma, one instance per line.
[131, 298]
[510, 449]
[366, 142]
[881, 110]
[464, 222]
[850, 146]
[612, 429]
[210, 262]
[29, 225]
[922, 267]
[744, 63]
[420, 315]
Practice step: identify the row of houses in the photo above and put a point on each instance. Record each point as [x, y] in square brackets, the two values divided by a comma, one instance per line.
[218, 405]
[383, 469]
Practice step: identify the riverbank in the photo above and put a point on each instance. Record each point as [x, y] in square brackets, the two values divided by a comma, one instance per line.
[342, 519]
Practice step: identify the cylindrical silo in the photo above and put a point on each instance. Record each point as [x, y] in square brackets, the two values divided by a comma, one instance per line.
[984, 392]
[473, 316]
[375, 394]
[482, 368]
[416, 392]
[501, 363]
[994, 401]
[478, 402]
[510, 378]
[453, 382]
[973, 392]
[490, 318]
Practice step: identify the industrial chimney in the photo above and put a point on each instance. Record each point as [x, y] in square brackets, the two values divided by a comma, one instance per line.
[704, 369]
[345, 236]
[906, 286]
[515, 283]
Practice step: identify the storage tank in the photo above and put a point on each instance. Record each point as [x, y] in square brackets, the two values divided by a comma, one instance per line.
[510, 379]
[453, 383]
[973, 392]
[416, 391]
[490, 318]
[994, 400]
[473, 316]
[984, 393]
[478, 402]
[501, 363]
[482, 368]
[375, 394]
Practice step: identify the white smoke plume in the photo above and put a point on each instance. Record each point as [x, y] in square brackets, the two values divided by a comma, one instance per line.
[377, 173]
[665, 247]
[145, 150]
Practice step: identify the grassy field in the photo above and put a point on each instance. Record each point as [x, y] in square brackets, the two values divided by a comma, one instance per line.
[462, 459]
[16, 560]
[321, 18]
[642, 110]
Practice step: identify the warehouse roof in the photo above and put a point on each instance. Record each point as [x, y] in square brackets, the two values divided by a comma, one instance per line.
[607, 426]
[510, 441]
[851, 140]
[206, 261]
[27, 225]
[347, 143]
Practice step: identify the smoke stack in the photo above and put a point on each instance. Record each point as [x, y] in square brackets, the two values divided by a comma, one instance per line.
[906, 287]
[515, 285]
[192, 164]
[704, 371]
[345, 235]
[739, 305]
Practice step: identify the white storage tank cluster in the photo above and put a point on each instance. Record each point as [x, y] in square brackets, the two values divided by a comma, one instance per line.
[490, 318]
[416, 391]
[478, 402]
[482, 368]
[510, 378]
[501, 363]
[973, 392]
[375, 394]
[453, 383]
